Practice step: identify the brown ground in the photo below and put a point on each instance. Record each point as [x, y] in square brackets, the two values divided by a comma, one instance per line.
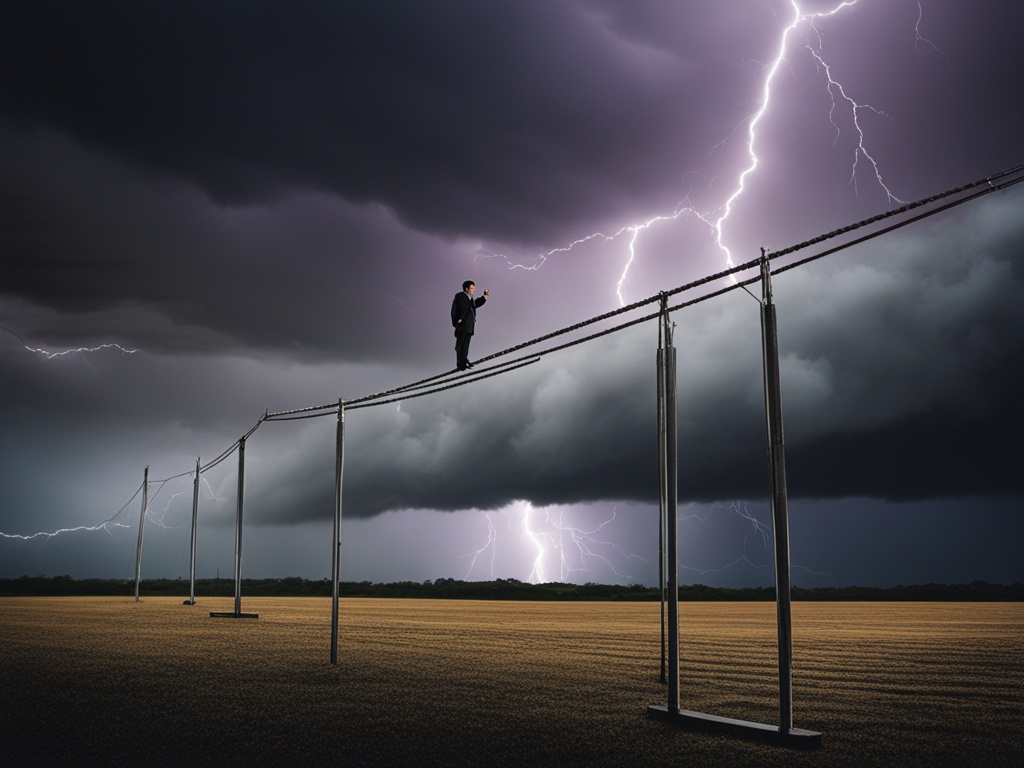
[106, 681]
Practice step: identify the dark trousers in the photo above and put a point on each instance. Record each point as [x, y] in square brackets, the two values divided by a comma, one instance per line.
[462, 349]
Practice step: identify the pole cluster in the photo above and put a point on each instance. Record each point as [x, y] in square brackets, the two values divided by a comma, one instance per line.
[784, 733]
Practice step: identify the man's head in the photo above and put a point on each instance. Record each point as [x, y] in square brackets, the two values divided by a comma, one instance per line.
[469, 286]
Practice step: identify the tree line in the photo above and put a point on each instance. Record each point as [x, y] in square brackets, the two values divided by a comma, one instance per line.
[498, 589]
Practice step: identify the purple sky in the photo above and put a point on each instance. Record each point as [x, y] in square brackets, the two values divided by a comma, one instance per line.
[274, 204]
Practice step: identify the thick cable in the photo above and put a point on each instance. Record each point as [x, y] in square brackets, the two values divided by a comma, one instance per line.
[223, 457]
[459, 383]
[122, 509]
[903, 209]
[173, 477]
[431, 381]
[272, 417]
[894, 227]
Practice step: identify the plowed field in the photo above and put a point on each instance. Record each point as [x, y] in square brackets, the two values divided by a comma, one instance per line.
[106, 681]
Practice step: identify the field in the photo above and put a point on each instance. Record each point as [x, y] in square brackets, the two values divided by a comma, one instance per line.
[94, 681]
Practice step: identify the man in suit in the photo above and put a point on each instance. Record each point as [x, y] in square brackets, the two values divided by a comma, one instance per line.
[464, 320]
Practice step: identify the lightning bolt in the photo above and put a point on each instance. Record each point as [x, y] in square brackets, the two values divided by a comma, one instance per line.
[50, 355]
[557, 548]
[156, 517]
[585, 543]
[834, 87]
[204, 483]
[81, 350]
[492, 536]
[918, 37]
[537, 574]
[554, 536]
[632, 231]
[104, 526]
[758, 531]
[718, 218]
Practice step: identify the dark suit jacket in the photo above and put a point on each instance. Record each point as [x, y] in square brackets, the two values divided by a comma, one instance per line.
[464, 309]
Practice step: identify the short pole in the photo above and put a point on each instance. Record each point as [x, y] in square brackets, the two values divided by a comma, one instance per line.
[238, 527]
[237, 613]
[192, 548]
[672, 516]
[142, 527]
[662, 479]
[339, 466]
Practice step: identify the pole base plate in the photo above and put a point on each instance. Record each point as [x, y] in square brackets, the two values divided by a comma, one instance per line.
[698, 721]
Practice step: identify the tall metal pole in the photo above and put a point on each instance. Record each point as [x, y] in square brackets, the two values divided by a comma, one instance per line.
[237, 613]
[662, 480]
[192, 550]
[672, 479]
[142, 526]
[238, 527]
[777, 485]
[339, 466]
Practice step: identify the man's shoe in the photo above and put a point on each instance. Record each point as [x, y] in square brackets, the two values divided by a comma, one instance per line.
[469, 364]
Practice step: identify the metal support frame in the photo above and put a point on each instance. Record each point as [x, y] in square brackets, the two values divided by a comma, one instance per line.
[777, 487]
[784, 733]
[142, 527]
[237, 613]
[192, 547]
[671, 513]
[662, 479]
[339, 467]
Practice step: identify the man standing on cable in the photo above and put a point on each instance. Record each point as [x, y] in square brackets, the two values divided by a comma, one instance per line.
[464, 320]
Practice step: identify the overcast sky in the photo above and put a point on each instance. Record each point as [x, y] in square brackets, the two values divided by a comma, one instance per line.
[270, 206]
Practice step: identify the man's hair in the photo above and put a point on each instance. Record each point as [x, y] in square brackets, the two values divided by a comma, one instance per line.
[465, 285]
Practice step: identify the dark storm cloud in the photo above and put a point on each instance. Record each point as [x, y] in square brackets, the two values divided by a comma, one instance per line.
[189, 274]
[212, 162]
[196, 167]
[444, 112]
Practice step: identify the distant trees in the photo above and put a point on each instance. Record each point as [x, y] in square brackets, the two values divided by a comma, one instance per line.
[499, 589]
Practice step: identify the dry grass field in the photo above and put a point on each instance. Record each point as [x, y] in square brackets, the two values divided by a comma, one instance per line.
[106, 681]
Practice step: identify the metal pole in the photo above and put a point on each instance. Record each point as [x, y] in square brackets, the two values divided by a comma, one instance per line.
[192, 552]
[662, 479]
[672, 478]
[238, 527]
[142, 526]
[777, 486]
[339, 466]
